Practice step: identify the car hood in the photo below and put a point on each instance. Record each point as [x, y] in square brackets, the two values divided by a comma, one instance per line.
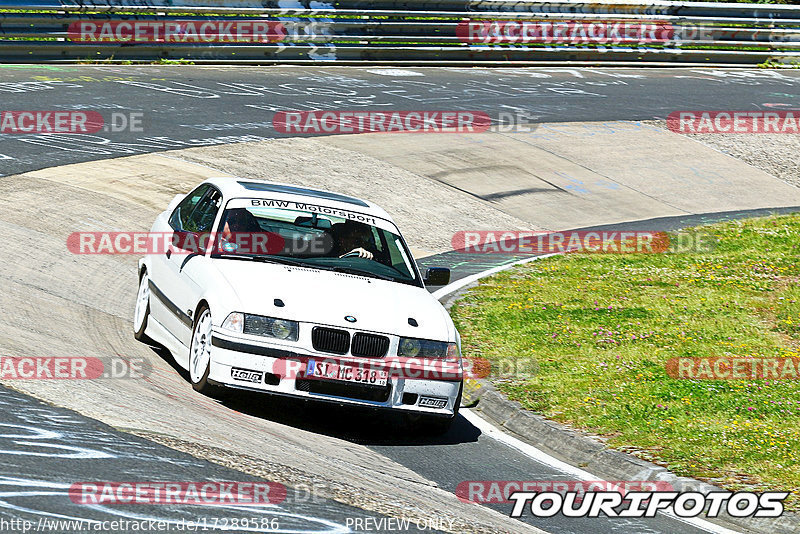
[325, 297]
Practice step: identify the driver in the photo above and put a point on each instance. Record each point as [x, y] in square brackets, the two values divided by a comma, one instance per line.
[237, 221]
[351, 236]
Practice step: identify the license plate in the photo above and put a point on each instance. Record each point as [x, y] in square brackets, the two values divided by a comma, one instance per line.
[346, 373]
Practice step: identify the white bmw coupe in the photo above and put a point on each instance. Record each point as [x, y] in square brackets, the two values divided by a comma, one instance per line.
[300, 292]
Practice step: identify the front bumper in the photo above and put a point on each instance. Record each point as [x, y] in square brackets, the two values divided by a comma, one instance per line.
[261, 365]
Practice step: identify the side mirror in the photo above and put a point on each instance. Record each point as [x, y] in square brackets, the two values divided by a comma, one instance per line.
[437, 276]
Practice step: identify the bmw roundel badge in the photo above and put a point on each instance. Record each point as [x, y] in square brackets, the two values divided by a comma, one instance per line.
[349, 318]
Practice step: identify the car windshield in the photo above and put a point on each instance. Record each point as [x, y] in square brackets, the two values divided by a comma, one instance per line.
[314, 236]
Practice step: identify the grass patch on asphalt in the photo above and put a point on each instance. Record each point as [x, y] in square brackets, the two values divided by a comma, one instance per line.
[601, 328]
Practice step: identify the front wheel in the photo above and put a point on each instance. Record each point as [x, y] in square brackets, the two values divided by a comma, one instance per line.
[142, 311]
[200, 352]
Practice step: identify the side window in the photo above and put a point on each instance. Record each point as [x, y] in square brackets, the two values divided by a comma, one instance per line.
[181, 214]
[202, 217]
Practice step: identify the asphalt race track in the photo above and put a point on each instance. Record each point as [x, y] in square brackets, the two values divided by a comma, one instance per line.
[192, 106]
[44, 450]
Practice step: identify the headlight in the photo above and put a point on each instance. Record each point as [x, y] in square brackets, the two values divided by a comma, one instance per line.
[282, 329]
[258, 325]
[423, 348]
[234, 322]
[409, 347]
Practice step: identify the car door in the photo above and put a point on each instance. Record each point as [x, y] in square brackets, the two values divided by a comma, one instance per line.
[177, 291]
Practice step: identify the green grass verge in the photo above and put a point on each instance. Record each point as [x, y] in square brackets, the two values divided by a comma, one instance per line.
[601, 328]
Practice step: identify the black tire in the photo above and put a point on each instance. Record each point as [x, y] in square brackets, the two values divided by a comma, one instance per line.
[139, 333]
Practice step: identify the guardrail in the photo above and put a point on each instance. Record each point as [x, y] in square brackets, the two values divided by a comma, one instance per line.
[418, 32]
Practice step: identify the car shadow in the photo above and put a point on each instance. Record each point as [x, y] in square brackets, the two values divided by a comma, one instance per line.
[364, 426]
[166, 355]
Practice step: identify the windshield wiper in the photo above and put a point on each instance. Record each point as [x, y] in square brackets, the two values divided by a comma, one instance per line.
[282, 260]
[276, 259]
[363, 272]
[265, 259]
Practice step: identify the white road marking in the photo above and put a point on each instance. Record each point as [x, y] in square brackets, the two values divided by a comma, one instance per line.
[529, 450]
[542, 457]
[458, 284]
[395, 72]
